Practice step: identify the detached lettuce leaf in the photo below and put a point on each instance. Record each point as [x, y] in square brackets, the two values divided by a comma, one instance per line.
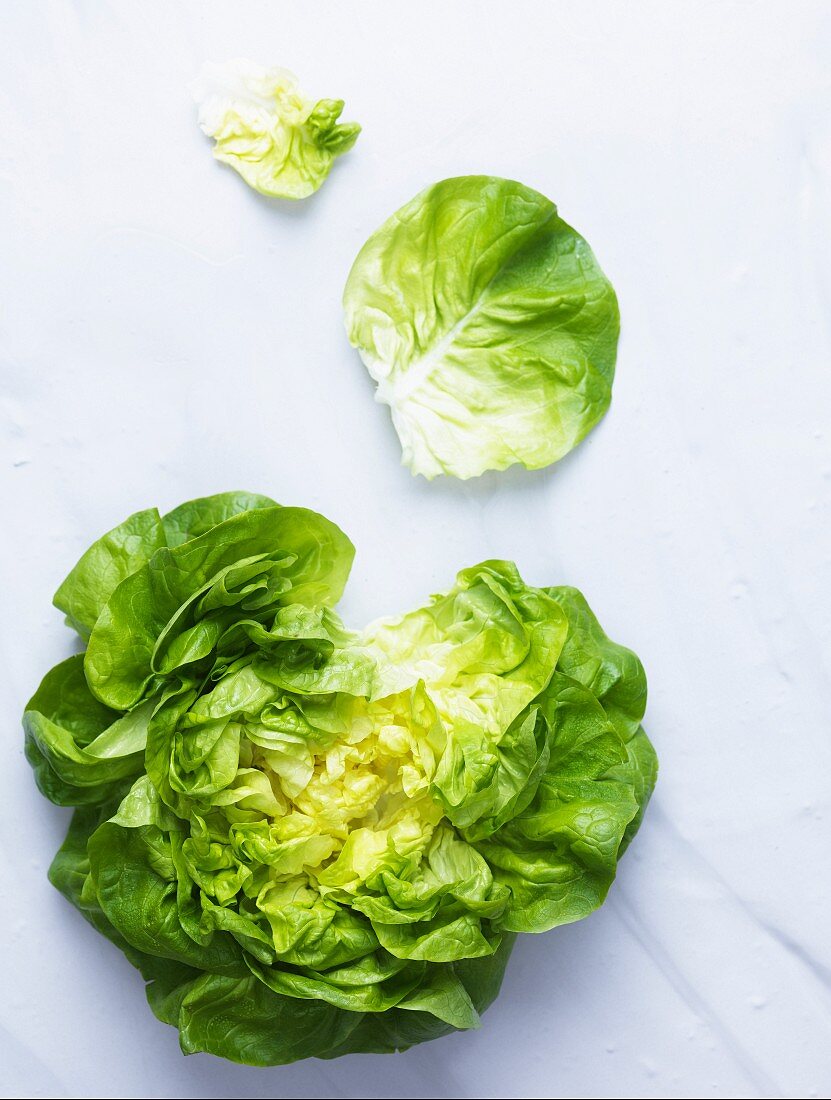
[313, 841]
[282, 143]
[488, 326]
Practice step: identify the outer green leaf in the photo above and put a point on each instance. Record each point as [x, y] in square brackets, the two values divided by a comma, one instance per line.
[311, 556]
[69, 870]
[444, 996]
[615, 676]
[610, 671]
[398, 1030]
[168, 984]
[135, 880]
[105, 565]
[487, 324]
[282, 143]
[69, 873]
[196, 517]
[641, 770]
[559, 856]
[82, 751]
[241, 1019]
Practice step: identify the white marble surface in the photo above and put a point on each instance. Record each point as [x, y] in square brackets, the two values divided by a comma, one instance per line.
[167, 333]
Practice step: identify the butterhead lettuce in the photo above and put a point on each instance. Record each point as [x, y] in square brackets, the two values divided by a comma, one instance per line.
[488, 326]
[310, 840]
[281, 142]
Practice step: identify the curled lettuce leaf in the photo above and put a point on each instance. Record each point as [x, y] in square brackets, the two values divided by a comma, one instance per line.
[488, 326]
[282, 143]
[313, 841]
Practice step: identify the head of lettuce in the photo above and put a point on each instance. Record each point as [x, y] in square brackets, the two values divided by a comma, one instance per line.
[310, 841]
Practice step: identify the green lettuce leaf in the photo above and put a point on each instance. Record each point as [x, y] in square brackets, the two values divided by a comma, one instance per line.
[282, 143]
[488, 326]
[612, 673]
[197, 517]
[558, 857]
[111, 559]
[176, 610]
[82, 751]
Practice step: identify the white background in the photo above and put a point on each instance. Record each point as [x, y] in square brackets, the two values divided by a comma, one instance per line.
[167, 333]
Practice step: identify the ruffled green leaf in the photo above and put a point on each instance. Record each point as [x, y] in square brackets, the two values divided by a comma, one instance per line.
[559, 856]
[137, 879]
[197, 517]
[82, 751]
[188, 594]
[488, 326]
[612, 673]
[115, 556]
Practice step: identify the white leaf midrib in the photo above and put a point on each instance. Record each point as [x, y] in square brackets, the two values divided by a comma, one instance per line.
[392, 390]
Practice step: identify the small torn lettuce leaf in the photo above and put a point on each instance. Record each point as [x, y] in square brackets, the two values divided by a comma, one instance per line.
[488, 326]
[281, 142]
